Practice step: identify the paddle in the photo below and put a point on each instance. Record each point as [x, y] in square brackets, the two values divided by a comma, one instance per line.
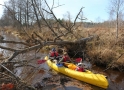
[41, 61]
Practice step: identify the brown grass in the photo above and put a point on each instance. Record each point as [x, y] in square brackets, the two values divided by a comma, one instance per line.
[103, 49]
[107, 49]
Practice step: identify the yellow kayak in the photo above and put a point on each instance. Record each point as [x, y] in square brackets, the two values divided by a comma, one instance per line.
[88, 76]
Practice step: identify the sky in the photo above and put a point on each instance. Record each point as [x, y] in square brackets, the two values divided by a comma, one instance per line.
[1, 7]
[94, 10]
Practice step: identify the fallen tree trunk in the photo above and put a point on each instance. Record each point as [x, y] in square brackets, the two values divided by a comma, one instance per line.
[82, 40]
[68, 44]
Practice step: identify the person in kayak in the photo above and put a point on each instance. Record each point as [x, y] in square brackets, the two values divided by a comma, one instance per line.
[80, 67]
[65, 58]
[53, 54]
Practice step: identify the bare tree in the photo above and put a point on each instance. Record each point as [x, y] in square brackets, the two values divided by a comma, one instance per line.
[116, 8]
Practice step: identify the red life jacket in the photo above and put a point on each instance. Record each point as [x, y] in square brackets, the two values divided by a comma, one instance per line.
[65, 58]
[52, 54]
[80, 69]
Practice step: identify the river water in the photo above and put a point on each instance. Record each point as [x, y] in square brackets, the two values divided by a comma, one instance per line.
[51, 80]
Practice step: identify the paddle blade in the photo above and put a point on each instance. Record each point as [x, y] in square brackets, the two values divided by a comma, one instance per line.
[78, 60]
[41, 61]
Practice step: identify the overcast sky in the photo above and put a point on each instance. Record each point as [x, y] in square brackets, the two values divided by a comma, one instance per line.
[94, 10]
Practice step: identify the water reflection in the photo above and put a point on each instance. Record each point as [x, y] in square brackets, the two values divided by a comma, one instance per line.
[69, 88]
[115, 78]
[10, 37]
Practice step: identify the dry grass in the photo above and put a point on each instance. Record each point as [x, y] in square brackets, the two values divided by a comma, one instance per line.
[102, 56]
[107, 49]
[103, 49]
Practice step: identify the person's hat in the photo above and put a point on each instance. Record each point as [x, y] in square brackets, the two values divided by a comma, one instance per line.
[81, 64]
[53, 49]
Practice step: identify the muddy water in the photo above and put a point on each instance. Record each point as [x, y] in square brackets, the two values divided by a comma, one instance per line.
[51, 80]
[115, 78]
